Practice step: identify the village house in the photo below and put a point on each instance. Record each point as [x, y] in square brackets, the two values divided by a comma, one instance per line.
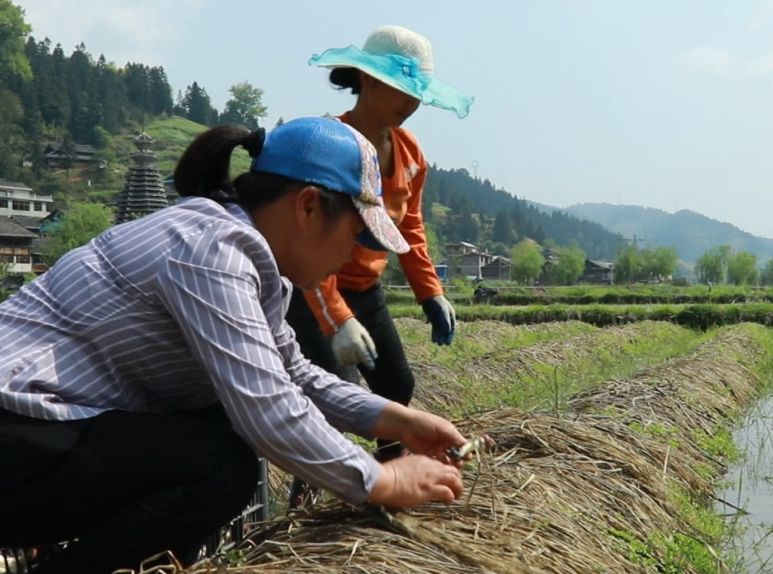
[466, 260]
[16, 199]
[601, 272]
[22, 214]
[498, 268]
[15, 246]
[57, 154]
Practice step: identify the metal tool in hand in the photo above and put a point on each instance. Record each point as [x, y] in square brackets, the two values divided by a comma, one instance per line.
[482, 443]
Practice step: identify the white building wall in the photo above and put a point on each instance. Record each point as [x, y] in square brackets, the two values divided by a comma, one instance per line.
[20, 267]
[16, 199]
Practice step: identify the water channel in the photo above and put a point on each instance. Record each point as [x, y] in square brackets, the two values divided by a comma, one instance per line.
[747, 499]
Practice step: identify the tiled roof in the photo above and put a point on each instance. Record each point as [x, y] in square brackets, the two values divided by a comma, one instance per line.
[14, 184]
[601, 264]
[27, 221]
[10, 228]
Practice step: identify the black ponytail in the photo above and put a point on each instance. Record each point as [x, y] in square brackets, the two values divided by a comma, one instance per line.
[254, 141]
[203, 169]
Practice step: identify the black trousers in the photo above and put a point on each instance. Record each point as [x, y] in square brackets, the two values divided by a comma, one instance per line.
[392, 377]
[125, 485]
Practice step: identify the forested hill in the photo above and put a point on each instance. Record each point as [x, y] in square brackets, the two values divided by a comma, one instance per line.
[69, 99]
[690, 233]
[49, 97]
[463, 208]
[53, 100]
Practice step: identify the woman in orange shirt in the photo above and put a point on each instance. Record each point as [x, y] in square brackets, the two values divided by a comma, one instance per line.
[345, 321]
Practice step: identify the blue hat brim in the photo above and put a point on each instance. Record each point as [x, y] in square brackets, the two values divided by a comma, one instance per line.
[400, 72]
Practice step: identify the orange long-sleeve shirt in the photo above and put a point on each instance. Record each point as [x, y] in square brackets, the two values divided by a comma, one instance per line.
[402, 199]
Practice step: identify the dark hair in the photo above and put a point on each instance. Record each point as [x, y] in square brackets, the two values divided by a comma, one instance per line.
[203, 171]
[346, 78]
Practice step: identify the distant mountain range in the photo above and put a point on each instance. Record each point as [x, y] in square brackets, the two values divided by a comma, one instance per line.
[690, 233]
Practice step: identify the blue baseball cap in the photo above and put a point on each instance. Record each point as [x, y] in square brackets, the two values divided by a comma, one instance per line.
[331, 154]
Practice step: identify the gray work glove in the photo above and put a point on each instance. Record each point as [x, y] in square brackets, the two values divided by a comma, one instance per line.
[352, 344]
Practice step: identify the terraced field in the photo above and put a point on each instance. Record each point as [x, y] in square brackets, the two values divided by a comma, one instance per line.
[609, 445]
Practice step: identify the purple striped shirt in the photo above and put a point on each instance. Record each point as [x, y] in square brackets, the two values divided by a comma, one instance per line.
[175, 312]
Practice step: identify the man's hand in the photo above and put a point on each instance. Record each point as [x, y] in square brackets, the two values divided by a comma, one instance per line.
[353, 344]
[441, 314]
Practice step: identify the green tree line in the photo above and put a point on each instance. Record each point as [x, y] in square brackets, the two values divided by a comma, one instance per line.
[463, 208]
[49, 96]
[69, 99]
[722, 265]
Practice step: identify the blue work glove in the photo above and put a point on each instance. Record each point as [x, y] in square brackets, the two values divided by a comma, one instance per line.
[441, 314]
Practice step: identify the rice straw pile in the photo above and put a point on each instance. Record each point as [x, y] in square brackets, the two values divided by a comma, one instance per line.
[557, 495]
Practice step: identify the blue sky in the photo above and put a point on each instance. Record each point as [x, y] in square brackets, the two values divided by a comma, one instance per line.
[665, 104]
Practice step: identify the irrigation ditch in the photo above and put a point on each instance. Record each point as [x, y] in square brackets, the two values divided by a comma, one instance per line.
[745, 498]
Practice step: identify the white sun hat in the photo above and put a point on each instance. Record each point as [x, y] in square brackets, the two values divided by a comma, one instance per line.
[402, 59]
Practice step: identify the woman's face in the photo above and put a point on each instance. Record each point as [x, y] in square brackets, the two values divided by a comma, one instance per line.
[327, 243]
[392, 106]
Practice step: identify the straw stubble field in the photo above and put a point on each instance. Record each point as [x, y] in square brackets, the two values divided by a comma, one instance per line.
[608, 443]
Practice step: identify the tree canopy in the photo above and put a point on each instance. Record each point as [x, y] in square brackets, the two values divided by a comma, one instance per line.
[245, 106]
[766, 274]
[569, 267]
[476, 212]
[49, 96]
[197, 107]
[80, 223]
[711, 267]
[742, 268]
[527, 262]
[13, 30]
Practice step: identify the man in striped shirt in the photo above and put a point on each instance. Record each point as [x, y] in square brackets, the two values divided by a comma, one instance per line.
[143, 372]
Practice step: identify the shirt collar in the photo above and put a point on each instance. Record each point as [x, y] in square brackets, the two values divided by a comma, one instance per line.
[241, 214]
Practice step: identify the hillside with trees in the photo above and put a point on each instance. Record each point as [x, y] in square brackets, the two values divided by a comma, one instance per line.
[70, 102]
[79, 105]
[463, 208]
[690, 233]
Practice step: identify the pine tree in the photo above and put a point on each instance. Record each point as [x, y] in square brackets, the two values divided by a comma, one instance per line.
[137, 78]
[197, 105]
[503, 228]
[160, 92]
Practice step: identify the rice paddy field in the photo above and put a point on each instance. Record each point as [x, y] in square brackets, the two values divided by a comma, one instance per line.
[611, 444]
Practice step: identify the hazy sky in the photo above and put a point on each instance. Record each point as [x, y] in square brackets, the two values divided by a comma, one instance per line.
[660, 103]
